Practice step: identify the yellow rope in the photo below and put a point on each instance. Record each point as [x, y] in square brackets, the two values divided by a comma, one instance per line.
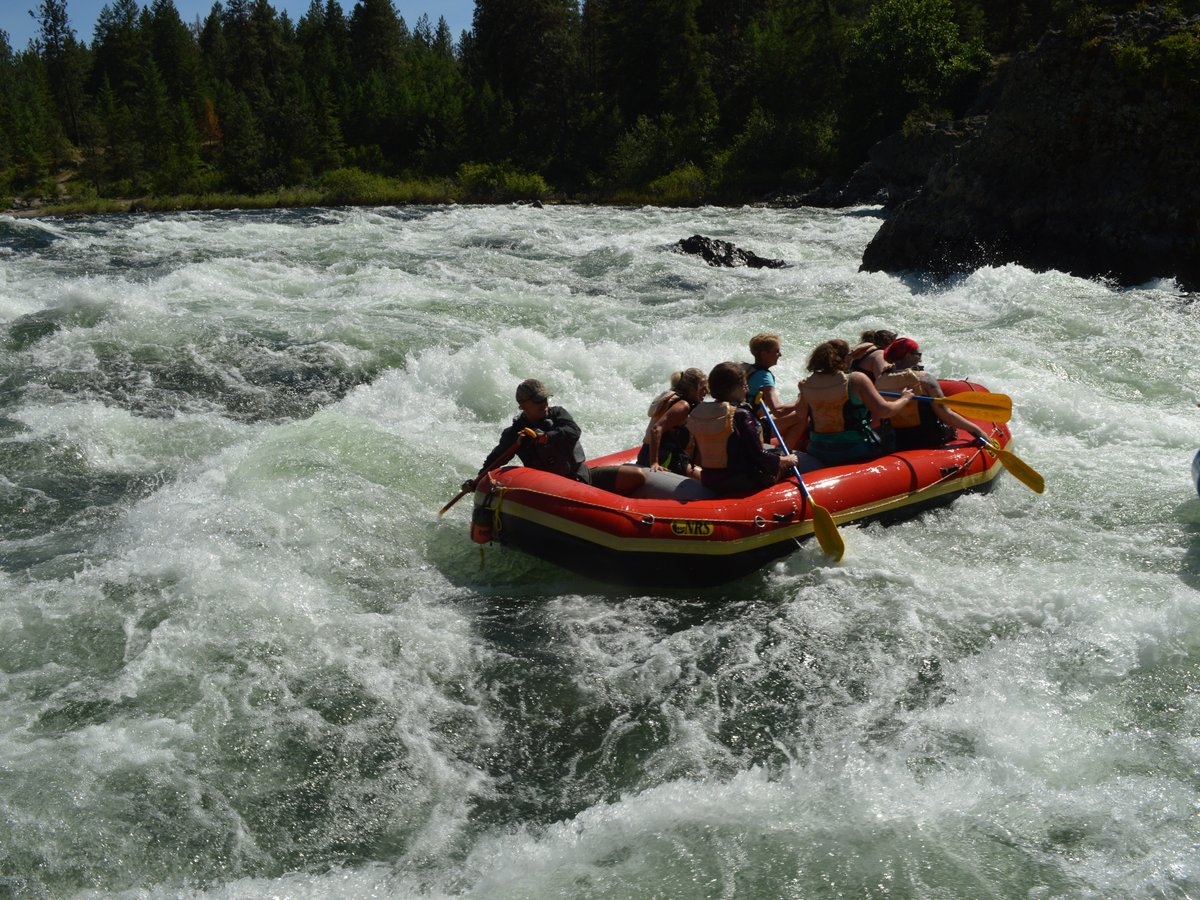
[631, 515]
[640, 516]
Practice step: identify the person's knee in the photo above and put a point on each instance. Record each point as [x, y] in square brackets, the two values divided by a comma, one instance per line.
[629, 479]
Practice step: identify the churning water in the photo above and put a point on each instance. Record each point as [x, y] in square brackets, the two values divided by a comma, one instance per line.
[242, 657]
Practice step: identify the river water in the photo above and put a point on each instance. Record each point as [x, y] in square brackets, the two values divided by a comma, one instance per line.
[242, 657]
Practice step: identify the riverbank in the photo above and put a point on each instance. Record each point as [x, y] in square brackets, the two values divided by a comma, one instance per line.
[353, 187]
[343, 188]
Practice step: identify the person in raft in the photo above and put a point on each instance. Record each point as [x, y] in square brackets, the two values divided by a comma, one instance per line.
[668, 443]
[767, 349]
[867, 355]
[549, 440]
[920, 425]
[728, 441]
[835, 408]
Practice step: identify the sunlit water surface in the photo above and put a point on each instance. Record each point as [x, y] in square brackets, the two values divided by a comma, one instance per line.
[242, 657]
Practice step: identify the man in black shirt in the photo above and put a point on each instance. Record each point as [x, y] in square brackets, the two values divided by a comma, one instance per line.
[548, 436]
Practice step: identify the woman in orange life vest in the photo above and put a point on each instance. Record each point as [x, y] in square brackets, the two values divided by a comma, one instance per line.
[835, 408]
[919, 425]
[867, 355]
[668, 442]
[729, 442]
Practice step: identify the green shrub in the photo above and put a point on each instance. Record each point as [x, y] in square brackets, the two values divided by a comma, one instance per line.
[498, 183]
[683, 186]
[1179, 54]
[122, 187]
[369, 158]
[352, 186]
[1132, 60]
[644, 151]
[81, 191]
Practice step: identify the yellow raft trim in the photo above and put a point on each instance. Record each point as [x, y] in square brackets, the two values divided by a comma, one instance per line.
[693, 547]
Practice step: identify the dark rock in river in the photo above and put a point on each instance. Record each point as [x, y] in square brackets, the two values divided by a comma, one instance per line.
[1088, 164]
[723, 253]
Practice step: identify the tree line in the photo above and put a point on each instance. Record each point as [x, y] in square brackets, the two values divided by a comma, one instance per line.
[713, 99]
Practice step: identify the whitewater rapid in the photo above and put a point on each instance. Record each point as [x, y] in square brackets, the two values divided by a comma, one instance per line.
[243, 657]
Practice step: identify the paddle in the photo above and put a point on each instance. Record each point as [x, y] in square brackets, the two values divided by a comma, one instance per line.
[1018, 468]
[823, 525]
[977, 405]
[504, 457]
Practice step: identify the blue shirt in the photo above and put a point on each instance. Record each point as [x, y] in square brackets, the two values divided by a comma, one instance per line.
[759, 380]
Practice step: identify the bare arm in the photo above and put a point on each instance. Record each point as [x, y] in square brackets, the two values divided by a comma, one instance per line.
[931, 388]
[770, 397]
[796, 428]
[675, 416]
[879, 405]
[784, 412]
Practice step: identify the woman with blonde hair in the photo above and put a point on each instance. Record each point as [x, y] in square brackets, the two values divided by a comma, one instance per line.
[668, 443]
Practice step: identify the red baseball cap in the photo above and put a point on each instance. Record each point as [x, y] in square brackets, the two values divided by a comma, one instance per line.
[900, 348]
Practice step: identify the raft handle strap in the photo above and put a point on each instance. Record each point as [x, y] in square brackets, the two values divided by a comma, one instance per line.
[497, 522]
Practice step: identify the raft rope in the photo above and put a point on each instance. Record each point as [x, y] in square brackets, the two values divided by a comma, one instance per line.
[758, 521]
[642, 518]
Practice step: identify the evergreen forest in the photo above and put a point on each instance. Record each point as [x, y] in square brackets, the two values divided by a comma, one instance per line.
[671, 101]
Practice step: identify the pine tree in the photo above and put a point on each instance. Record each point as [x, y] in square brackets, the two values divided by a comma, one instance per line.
[174, 50]
[377, 38]
[6, 123]
[66, 62]
[526, 52]
[118, 49]
[29, 125]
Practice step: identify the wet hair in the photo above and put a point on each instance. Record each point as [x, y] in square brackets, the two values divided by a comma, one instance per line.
[724, 378]
[688, 381]
[765, 341]
[880, 337]
[831, 356]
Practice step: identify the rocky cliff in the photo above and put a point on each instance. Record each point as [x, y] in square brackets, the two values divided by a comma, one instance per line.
[1089, 162]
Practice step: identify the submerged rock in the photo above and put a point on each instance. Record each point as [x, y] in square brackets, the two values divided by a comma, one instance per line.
[27, 330]
[1087, 164]
[722, 253]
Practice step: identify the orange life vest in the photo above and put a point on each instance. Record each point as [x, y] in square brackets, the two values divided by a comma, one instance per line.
[711, 423]
[832, 409]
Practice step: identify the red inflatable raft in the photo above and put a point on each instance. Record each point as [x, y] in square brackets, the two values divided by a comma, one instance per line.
[675, 533]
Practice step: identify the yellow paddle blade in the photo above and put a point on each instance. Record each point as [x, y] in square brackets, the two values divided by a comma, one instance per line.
[827, 532]
[977, 405]
[1019, 469]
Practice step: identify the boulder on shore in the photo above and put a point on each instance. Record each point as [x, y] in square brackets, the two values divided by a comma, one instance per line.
[722, 253]
[1088, 164]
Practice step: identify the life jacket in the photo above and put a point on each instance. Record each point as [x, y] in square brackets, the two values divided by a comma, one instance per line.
[917, 425]
[752, 394]
[834, 413]
[550, 456]
[711, 424]
[751, 370]
[896, 380]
